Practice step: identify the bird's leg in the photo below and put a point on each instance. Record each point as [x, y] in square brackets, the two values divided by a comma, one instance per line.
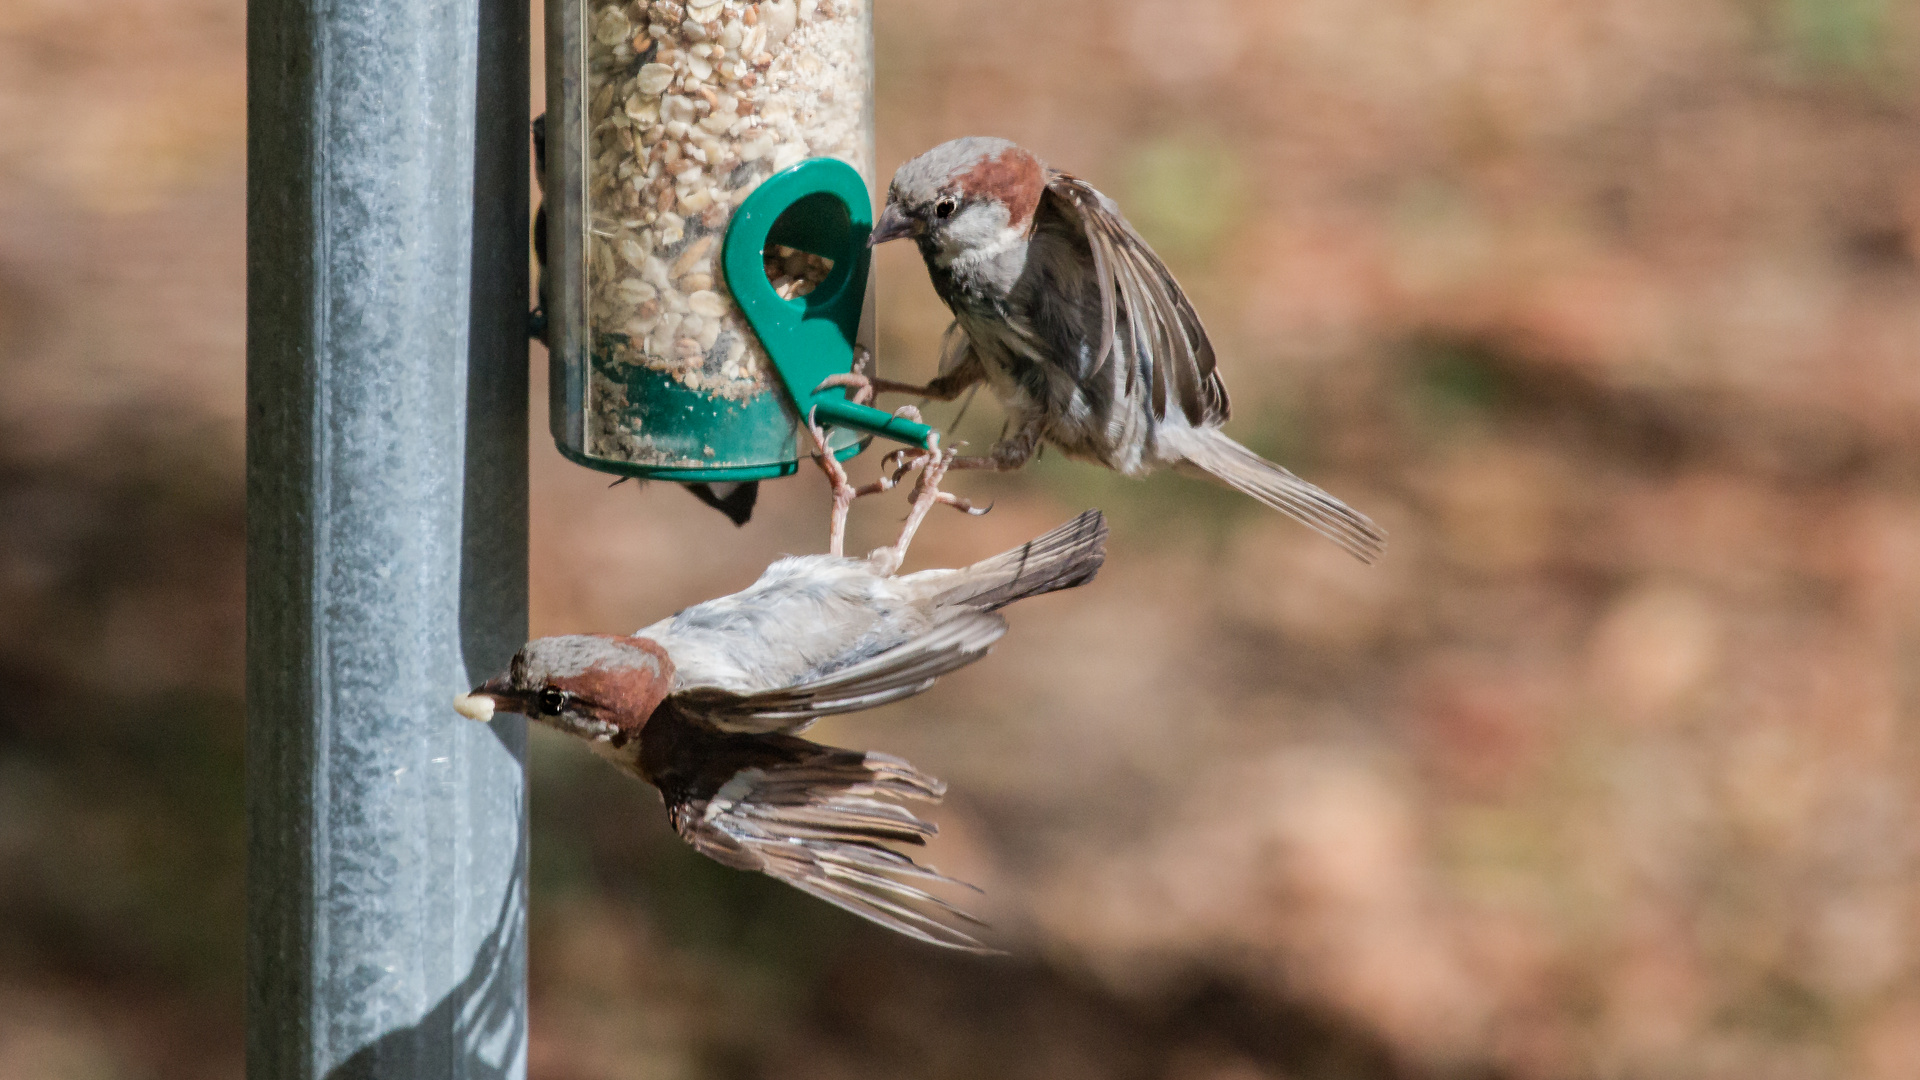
[843, 492]
[926, 495]
[864, 387]
[892, 468]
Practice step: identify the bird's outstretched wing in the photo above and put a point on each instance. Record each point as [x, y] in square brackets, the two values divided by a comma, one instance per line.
[1142, 304]
[813, 816]
[957, 638]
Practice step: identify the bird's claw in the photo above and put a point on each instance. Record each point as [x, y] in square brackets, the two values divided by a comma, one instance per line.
[859, 387]
[900, 462]
[928, 486]
[948, 498]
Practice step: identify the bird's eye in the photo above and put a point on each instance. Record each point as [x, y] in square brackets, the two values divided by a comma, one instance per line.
[553, 702]
[945, 207]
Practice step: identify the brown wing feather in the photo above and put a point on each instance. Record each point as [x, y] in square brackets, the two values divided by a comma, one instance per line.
[813, 816]
[1137, 288]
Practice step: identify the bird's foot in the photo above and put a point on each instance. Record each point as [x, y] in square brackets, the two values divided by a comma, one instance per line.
[898, 463]
[926, 495]
[859, 387]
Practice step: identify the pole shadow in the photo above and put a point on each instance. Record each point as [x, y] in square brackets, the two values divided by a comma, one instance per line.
[478, 1031]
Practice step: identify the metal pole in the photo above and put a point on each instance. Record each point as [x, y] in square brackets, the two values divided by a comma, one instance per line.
[386, 562]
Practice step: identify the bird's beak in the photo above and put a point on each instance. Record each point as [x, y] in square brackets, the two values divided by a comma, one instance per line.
[474, 706]
[486, 699]
[892, 226]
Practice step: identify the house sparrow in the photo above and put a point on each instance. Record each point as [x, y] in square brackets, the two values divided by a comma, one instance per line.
[1077, 327]
[706, 705]
[735, 500]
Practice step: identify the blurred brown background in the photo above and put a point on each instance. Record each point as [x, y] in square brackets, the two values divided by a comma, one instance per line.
[1609, 310]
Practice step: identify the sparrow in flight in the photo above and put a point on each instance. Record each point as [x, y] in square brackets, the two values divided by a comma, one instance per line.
[707, 706]
[1078, 328]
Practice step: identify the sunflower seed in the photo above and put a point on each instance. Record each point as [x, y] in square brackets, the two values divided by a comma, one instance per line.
[612, 27]
[654, 78]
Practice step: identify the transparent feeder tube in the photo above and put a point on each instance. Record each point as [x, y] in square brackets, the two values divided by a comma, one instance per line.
[672, 114]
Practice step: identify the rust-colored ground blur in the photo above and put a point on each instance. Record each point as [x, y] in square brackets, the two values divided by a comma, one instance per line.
[1609, 311]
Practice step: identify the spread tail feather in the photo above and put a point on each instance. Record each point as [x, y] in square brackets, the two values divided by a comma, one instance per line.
[1068, 556]
[1213, 453]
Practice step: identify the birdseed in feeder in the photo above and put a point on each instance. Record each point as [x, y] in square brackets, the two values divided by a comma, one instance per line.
[690, 107]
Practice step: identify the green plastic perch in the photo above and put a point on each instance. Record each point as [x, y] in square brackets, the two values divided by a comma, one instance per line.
[819, 206]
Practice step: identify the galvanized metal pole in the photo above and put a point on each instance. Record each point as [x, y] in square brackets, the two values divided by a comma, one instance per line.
[386, 485]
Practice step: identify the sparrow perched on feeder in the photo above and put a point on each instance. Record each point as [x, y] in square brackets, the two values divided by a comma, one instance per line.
[735, 500]
[706, 706]
[1078, 328]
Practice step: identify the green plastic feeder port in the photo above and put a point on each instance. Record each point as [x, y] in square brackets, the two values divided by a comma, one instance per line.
[706, 270]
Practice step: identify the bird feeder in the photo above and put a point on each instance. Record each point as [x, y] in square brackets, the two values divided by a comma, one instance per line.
[708, 204]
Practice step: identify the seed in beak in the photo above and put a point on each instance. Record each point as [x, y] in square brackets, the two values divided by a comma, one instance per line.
[474, 706]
